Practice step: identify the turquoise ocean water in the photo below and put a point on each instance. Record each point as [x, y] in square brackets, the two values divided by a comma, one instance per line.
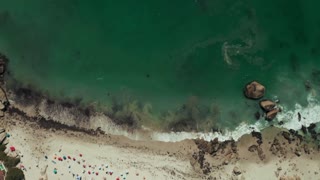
[168, 64]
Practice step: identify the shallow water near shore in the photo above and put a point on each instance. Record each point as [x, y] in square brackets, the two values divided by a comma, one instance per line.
[177, 65]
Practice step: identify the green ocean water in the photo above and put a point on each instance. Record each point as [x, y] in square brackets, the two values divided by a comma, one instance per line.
[165, 63]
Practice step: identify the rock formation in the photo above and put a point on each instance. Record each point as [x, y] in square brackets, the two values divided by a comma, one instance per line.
[267, 105]
[272, 114]
[254, 90]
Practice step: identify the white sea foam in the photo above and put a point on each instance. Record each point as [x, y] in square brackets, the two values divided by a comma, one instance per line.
[309, 114]
[242, 129]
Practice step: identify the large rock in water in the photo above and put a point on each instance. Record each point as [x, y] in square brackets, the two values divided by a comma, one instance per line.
[267, 105]
[272, 114]
[254, 90]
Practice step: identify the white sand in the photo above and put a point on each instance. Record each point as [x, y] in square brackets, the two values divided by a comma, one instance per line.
[33, 146]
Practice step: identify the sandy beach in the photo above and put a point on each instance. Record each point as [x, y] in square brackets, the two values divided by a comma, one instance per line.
[105, 156]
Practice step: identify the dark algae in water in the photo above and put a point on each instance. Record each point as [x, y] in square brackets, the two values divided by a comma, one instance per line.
[174, 65]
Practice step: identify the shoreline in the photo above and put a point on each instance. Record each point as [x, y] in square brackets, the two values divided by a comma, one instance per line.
[72, 117]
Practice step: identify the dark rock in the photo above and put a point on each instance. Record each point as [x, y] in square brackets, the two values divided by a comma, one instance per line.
[267, 105]
[276, 147]
[253, 148]
[234, 147]
[3, 61]
[257, 115]
[306, 149]
[293, 132]
[254, 90]
[206, 168]
[304, 129]
[297, 152]
[311, 127]
[287, 136]
[299, 116]
[257, 135]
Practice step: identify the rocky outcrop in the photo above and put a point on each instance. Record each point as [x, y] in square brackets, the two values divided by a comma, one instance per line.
[254, 90]
[276, 148]
[258, 136]
[255, 148]
[267, 105]
[287, 136]
[271, 114]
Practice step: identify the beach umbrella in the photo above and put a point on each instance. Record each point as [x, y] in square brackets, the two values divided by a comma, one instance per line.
[64, 157]
[12, 148]
[69, 157]
[89, 172]
[111, 173]
[46, 157]
[80, 155]
[97, 173]
[74, 159]
[7, 135]
[55, 171]
[118, 178]
[84, 166]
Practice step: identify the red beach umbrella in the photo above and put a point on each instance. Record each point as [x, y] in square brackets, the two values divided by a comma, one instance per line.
[84, 166]
[89, 172]
[12, 148]
[80, 155]
[69, 157]
[118, 178]
[74, 159]
[97, 173]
